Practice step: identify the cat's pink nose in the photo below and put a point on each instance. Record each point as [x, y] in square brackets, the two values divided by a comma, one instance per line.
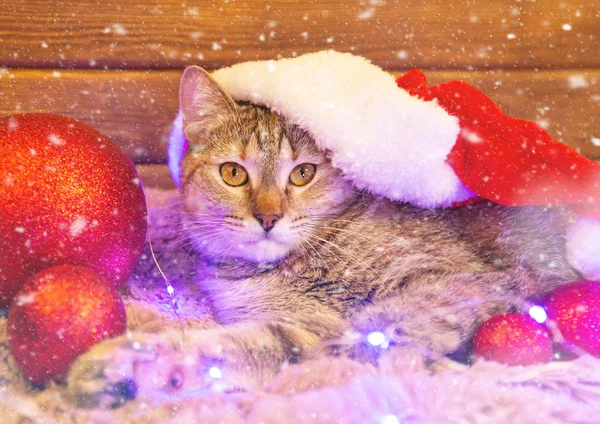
[267, 221]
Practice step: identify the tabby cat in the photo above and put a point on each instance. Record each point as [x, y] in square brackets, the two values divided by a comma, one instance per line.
[294, 258]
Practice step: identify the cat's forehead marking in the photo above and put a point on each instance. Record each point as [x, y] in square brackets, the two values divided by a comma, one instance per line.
[251, 149]
[287, 152]
[268, 146]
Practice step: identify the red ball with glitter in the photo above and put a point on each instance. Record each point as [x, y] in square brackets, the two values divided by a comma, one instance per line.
[69, 195]
[59, 314]
[575, 309]
[513, 339]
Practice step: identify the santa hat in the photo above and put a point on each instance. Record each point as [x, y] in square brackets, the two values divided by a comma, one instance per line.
[436, 146]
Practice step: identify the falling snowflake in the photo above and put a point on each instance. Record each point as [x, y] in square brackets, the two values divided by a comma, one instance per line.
[578, 81]
[595, 141]
[56, 140]
[78, 226]
[24, 299]
[567, 27]
[116, 29]
[366, 14]
[12, 124]
[544, 123]
[471, 136]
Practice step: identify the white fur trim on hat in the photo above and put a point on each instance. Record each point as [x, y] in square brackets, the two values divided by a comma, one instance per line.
[383, 139]
[583, 247]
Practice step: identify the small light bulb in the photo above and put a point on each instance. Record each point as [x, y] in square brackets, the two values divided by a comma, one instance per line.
[390, 419]
[215, 373]
[377, 338]
[538, 313]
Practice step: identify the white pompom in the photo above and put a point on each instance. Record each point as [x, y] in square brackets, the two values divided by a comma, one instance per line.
[583, 247]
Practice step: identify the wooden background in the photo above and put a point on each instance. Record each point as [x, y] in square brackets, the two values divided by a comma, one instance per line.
[116, 64]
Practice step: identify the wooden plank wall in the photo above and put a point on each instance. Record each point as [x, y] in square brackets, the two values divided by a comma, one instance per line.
[116, 64]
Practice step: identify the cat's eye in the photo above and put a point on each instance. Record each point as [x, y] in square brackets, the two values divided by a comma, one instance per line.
[303, 174]
[233, 174]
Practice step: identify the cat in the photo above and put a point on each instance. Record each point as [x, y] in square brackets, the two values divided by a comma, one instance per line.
[295, 260]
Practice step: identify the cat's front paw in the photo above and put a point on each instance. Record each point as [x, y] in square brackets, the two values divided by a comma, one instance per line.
[152, 366]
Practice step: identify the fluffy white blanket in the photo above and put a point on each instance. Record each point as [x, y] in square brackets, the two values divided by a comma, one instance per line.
[326, 390]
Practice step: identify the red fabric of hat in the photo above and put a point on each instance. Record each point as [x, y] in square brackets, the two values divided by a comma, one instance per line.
[507, 160]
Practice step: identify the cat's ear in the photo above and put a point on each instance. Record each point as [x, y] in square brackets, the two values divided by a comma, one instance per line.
[203, 102]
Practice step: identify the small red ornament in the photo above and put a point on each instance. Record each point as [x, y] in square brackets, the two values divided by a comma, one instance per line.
[513, 339]
[575, 309]
[68, 195]
[59, 314]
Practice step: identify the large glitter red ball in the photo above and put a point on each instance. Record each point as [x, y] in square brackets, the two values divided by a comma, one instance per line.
[67, 195]
[59, 314]
[513, 339]
[575, 309]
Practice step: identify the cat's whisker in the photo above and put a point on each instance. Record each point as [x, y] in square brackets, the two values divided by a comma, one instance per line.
[208, 215]
[199, 230]
[317, 252]
[199, 224]
[177, 237]
[343, 230]
[304, 248]
[332, 252]
[356, 260]
[217, 222]
[204, 236]
[205, 214]
[203, 219]
[319, 240]
[331, 218]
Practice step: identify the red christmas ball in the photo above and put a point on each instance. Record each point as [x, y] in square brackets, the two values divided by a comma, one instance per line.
[575, 308]
[513, 339]
[68, 195]
[59, 314]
